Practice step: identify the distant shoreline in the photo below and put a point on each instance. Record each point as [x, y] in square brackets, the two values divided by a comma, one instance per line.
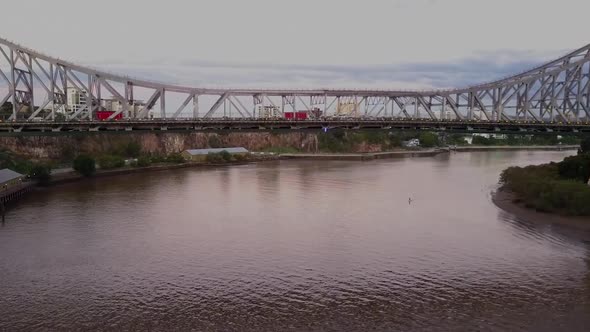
[505, 200]
[421, 153]
[73, 176]
[516, 148]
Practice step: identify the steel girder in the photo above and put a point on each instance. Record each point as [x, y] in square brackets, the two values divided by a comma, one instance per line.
[557, 91]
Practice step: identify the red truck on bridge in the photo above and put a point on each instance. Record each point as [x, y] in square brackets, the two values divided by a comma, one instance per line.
[300, 115]
[104, 115]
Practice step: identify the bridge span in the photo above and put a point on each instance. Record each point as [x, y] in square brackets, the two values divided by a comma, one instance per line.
[505, 127]
[50, 94]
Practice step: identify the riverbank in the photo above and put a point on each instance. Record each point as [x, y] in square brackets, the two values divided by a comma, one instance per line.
[506, 201]
[421, 152]
[72, 176]
[365, 156]
[516, 148]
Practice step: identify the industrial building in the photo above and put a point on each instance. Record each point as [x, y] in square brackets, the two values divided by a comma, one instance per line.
[201, 154]
[10, 178]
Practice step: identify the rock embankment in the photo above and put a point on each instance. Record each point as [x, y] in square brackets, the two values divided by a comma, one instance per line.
[61, 146]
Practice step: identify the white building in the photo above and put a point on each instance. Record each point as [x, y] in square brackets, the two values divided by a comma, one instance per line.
[76, 99]
[268, 111]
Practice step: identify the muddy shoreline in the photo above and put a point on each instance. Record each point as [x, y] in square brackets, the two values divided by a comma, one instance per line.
[505, 201]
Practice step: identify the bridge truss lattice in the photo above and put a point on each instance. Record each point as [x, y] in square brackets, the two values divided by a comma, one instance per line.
[556, 91]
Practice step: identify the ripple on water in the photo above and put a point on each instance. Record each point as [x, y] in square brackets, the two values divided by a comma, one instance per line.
[313, 246]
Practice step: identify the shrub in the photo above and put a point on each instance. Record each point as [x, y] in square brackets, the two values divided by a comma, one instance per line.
[575, 168]
[395, 140]
[176, 158]
[41, 173]
[156, 158]
[242, 157]
[480, 140]
[335, 141]
[133, 150]
[214, 158]
[457, 139]
[143, 161]
[376, 137]
[225, 155]
[544, 188]
[428, 140]
[84, 165]
[110, 162]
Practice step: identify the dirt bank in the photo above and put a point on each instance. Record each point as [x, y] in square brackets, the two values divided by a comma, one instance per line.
[505, 201]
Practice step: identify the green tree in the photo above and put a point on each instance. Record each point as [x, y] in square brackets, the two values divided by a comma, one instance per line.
[575, 168]
[428, 139]
[41, 173]
[85, 165]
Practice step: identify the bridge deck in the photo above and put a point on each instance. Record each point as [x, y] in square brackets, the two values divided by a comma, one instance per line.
[270, 125]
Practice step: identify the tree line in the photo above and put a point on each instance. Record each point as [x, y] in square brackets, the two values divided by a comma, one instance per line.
[555, 187]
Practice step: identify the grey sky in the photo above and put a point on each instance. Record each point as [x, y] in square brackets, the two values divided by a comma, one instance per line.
[381, 44]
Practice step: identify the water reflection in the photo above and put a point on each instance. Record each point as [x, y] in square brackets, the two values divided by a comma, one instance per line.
[299, 245]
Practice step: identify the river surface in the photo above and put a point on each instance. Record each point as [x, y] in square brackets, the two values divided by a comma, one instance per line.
[292, 245]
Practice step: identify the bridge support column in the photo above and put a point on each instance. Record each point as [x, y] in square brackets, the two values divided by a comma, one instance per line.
[196, 106]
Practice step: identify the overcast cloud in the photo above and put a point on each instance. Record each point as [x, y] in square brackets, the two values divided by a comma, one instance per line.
[396, 44]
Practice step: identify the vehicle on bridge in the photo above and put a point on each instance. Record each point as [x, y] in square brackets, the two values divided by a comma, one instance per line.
[104, 115]
[315, 113]
[296, 115]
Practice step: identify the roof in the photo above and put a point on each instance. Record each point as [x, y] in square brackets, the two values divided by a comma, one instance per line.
[195, 152]
[8, 174]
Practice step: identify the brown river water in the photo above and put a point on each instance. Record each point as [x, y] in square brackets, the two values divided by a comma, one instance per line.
[292, 246]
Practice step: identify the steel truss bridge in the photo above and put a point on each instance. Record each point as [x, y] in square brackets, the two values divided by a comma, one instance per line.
[551, 97]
